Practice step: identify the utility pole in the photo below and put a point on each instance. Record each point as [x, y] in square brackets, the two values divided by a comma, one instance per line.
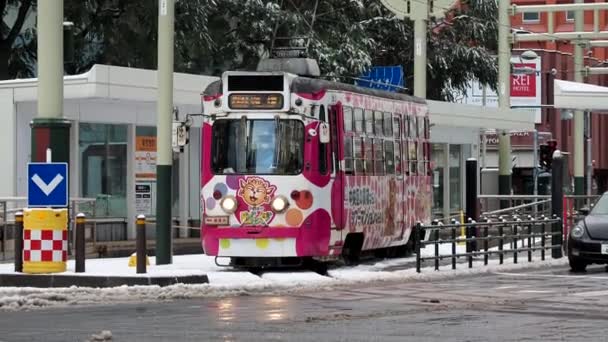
[579, 116]
[49, 128]
[163, 132]
[504, 96]
[420, 16]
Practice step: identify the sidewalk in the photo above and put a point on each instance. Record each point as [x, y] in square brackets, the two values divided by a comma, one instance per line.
[111, 272]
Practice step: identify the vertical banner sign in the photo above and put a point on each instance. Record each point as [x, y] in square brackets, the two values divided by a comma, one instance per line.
[145, 157]
[163, 7]
[526, 91]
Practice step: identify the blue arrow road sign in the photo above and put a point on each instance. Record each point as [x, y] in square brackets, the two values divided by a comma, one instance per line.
[47, 184]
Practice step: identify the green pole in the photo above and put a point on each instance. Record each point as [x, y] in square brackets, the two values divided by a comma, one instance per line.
[420, 16]
[579, 116]
[49, 128]
[504, 97]
[163, 145]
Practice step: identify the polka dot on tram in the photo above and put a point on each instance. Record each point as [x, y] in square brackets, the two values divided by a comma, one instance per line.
[232, 182]
[221, 187]
[210, 203]
[225, 243]
[262, 243]
[305, 200]
[294, 217]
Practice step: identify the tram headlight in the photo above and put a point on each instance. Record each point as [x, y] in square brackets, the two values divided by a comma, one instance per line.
[228, 204]
[279, 204]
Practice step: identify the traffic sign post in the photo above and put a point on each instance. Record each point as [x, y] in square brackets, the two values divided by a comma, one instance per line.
[47, 185]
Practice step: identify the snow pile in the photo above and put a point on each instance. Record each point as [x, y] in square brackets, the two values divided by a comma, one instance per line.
[227, 282]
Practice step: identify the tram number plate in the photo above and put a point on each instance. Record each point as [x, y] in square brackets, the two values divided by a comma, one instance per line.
[605, 248]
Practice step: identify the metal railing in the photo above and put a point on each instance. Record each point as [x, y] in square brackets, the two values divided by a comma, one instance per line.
[495, 205]
[521, 235]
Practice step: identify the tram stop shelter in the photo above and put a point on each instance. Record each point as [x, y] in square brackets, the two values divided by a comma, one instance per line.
[456, 133]
[580, 96]
[112, 144]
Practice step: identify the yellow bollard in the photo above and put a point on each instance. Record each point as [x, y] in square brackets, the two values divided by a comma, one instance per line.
[462, 228]
[45, 240]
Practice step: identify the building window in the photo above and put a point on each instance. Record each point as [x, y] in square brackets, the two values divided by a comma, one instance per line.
[531, 17]
[103, 152]
[570, 15]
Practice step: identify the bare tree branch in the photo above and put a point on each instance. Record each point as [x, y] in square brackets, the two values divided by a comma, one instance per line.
[23, 10]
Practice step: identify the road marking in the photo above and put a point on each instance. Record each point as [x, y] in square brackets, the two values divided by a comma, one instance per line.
[591, 294]
[535, 291]
[47, 188]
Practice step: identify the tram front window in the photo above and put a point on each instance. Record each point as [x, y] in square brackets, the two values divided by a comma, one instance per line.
[259, 146]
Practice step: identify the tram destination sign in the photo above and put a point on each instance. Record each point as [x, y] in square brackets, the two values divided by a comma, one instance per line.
[255, 101]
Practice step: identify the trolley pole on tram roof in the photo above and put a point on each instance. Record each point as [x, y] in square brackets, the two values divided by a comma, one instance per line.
[164, 157]
[504, 96]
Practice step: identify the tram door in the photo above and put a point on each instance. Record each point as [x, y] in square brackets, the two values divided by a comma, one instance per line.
[337, 153]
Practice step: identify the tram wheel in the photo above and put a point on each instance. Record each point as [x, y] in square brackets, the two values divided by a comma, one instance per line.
[351, 251]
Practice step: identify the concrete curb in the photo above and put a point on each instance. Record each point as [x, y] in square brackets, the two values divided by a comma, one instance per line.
[53, 280]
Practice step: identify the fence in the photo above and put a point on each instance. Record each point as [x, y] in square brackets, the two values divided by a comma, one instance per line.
[521, 234]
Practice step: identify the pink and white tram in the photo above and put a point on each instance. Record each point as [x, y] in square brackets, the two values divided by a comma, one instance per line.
[296, 168]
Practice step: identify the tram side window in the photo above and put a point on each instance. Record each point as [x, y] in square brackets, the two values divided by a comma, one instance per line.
[358, 154]
[378, 123]
[369, 161]
[396, 127]
[421, 126]
[389, 157]
[406, 127]
[378, 157]
[348, 155]
[369, 122]
[405, 157]
[412, 157]
[397, 157]
[348, 119]
[427, 128]
[359, 120]
[388, 125]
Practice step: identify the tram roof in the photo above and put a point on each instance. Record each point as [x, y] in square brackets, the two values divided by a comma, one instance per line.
[312, 85]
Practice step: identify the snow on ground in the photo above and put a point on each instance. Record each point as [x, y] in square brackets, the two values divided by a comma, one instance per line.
[225, 281]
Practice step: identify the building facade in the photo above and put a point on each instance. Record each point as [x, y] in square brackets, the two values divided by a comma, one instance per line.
[558, 63]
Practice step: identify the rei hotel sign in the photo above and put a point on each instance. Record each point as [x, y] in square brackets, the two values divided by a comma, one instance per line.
[525, 89]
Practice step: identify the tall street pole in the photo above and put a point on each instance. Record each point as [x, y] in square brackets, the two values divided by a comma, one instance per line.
[163, 132]
[579, 116]
[504, 96]
[49, 128]
[420, 14]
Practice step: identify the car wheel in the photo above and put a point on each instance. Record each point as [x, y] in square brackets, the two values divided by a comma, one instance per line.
[577, 265]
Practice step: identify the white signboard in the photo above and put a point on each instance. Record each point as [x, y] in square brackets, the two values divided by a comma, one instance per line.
[526, 89]
[143, 198]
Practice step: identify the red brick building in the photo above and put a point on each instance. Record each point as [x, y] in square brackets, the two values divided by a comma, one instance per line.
[558, 55]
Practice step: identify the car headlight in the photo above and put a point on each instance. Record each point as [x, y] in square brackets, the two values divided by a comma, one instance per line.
[578, 231]
[279, 204]
[228, 204]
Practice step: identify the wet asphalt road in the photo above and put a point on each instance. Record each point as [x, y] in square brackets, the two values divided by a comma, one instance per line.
[547, 305]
